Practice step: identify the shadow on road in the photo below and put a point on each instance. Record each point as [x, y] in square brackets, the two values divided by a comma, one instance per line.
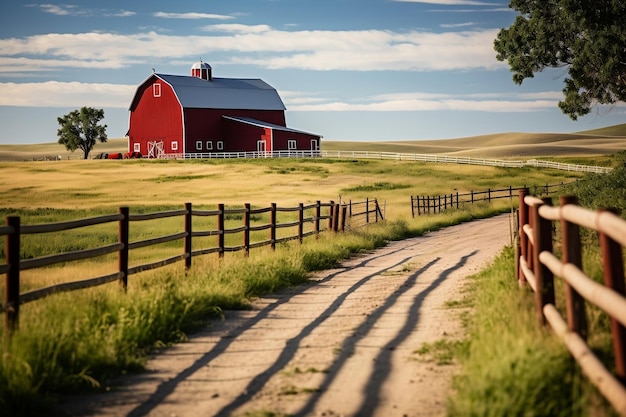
[292, 345]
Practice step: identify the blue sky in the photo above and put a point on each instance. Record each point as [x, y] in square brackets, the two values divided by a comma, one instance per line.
[368, 70]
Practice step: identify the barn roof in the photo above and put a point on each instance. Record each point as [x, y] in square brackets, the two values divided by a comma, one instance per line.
[260, 123]
[220, 93]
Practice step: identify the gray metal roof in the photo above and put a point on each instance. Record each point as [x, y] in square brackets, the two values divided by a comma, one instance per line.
[224, 93]
[260, 123]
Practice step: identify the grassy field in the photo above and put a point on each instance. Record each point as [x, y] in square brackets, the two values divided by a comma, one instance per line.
[54, 350]
[513, 145]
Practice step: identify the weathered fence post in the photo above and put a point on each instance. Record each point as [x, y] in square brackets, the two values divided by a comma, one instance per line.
[331, 211]
[367, 210]
[574, 303]
[122, 254]
[300, 221]
[273, 226]
[418, 206]
[412, 208]
[12, 283]
[472, 194]
[344, 211]
[220, 230]
[188, 237]
[457, 199]
[542, 234]
[335, 216]
[613, 266]
[246, 230]
[318, 213]
[489, 195]
[523, 238]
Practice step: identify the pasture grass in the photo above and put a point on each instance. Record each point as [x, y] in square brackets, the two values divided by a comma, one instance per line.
[80, 340]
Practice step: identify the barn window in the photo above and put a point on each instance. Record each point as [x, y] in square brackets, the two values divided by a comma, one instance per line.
[220, 145]
[137, 147]
[156, 90]
[209, 145]
[198, 145]
[291, 144]
[174, 146]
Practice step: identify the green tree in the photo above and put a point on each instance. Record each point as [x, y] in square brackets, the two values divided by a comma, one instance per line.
[588, 37]
[79, 129]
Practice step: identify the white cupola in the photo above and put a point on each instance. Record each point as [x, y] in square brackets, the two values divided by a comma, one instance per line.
[202, 70]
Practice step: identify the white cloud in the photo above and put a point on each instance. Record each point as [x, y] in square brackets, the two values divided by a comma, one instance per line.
[360, 50]
[450, 2]
[419, 101]
[456, 25]
[237, 28]
[101, 95]
[66, 94]
[192, 15]
[72, 10]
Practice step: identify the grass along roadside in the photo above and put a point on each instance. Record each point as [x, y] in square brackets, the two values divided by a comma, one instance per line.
[78, 341]
[510, 366]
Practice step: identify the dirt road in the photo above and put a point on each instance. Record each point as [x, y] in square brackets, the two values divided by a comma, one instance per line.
[342, 345]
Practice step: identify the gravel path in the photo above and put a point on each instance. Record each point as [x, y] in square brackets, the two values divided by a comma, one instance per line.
[342, 345]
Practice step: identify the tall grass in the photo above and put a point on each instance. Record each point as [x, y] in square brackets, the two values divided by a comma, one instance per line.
[513, 366]
[80, 340]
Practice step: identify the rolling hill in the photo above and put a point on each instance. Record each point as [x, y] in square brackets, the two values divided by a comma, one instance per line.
[604, 141]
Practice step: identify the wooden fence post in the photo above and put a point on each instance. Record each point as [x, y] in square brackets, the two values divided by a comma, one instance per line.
[300, 221]
[367, 210]
[12, 279]
[246, 230]
[523, 239]
[331, 211]
[418, 206]
[412, 208]
[472, 193]
[220, 230]
[318, 213]
[457, 199]
[614, 278]
[336, 217]
[188, 231]
[273, 226]
[574, 303]
[344, 213]
[542, 234]
[122, 255]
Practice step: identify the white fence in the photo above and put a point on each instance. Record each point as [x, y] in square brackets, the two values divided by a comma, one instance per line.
[396, 156]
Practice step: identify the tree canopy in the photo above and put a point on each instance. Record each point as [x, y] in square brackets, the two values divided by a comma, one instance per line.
[588, 37]
[79, 129]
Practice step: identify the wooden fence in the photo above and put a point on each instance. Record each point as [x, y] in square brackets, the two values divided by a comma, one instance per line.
[438, 203]
[311, 215]
[537, 265]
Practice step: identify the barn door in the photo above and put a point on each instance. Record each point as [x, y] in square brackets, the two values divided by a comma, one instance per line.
[261, 149]
[156, 149]
[314, 147]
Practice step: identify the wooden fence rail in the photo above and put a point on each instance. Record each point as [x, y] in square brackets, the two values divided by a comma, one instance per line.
[536, 265]
[436, 204]
[13, 231]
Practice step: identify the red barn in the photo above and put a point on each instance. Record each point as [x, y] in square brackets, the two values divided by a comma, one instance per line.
[193, 116]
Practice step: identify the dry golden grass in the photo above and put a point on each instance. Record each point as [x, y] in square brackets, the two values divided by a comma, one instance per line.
[505, 145]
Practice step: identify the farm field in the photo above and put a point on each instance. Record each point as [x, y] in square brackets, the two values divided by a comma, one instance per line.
[60, 190]
[512, 145]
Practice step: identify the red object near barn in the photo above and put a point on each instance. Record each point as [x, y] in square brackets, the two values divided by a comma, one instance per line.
[194, 116]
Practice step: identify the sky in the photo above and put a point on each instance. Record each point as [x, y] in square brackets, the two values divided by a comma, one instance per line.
[354, 70]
